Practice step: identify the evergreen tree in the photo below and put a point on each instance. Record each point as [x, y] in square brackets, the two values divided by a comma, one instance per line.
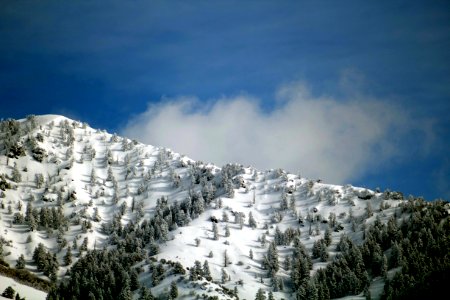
[287, 263]
[145, 294]
[196, 271]
[369, 210]
[215, 231]
[84, 245]
[39, 180]
[92, 180]
[126, 293]
[68, 256]
[396, 255]
[300, 270]
[263, 240]
[134, 280]
[292, 203]
[225, 276]
[251, 221]
[224, 216]
[311, 291]
[271, 260]
[227, 230]
[226, 259]
[173, 290]
[206, 271]
[384, 267]
[9, 293]
[16, 176]
[238, 219]
[283, 202]
[20, 262]
[278, 237]
[260, 295]
[327, 237]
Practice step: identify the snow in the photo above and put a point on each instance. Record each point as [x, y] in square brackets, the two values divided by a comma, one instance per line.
[24, 291]
[145, 159]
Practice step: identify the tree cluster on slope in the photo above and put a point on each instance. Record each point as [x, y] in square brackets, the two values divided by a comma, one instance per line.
[99, 275]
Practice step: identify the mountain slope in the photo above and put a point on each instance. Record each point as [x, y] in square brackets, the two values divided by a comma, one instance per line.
[72, 188]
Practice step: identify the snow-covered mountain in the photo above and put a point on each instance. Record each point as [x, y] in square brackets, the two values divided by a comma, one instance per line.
[67, 188]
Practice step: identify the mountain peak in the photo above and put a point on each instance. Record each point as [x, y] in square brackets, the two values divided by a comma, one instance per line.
[68, 189]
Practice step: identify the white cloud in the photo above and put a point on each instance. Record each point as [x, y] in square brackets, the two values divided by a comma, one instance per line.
[320, 137]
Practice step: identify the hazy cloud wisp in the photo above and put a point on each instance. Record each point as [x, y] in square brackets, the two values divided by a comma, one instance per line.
[320, 137]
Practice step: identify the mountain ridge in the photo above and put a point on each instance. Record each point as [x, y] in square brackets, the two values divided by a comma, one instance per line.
[68, 185]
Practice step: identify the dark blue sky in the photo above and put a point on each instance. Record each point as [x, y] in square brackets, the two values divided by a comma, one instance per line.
[104, 62]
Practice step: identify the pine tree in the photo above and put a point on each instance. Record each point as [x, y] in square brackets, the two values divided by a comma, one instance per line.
[84, 245]
[287, 263]
[224, 216]
[271, 259]
[196, 271]
[225, 276]
[125, 293]
[278, 237]
[227, 231]
[396, 255]
[16, 176]
[226, 259]
[134, 280]
[292, 203]
[384, 267]
[20, 262]
[92, 180]
[369, 210]
[250, 254]
[68, 256]
[283, 202]
[327, 237]
[39, 180]
[9, 293]
[239, 219]
[260, 295]
[206, 271]
[110, 175]
[309, 290]
[145, 294]
[251, 221]
[215, 231]
[300, 271]
[173, 290]
[263, 240]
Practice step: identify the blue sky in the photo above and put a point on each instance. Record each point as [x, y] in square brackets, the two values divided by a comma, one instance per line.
[358, 92]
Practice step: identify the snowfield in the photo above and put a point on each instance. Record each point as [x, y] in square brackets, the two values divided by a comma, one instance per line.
[103, 174]
[23, 290]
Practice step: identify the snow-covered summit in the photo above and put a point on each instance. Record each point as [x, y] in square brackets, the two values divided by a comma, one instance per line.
[71, 188]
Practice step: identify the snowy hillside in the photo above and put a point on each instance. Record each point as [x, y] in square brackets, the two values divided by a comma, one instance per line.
[67, 188]
[23, 290]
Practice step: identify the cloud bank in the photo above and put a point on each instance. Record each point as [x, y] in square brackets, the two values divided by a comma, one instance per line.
[317, 136]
